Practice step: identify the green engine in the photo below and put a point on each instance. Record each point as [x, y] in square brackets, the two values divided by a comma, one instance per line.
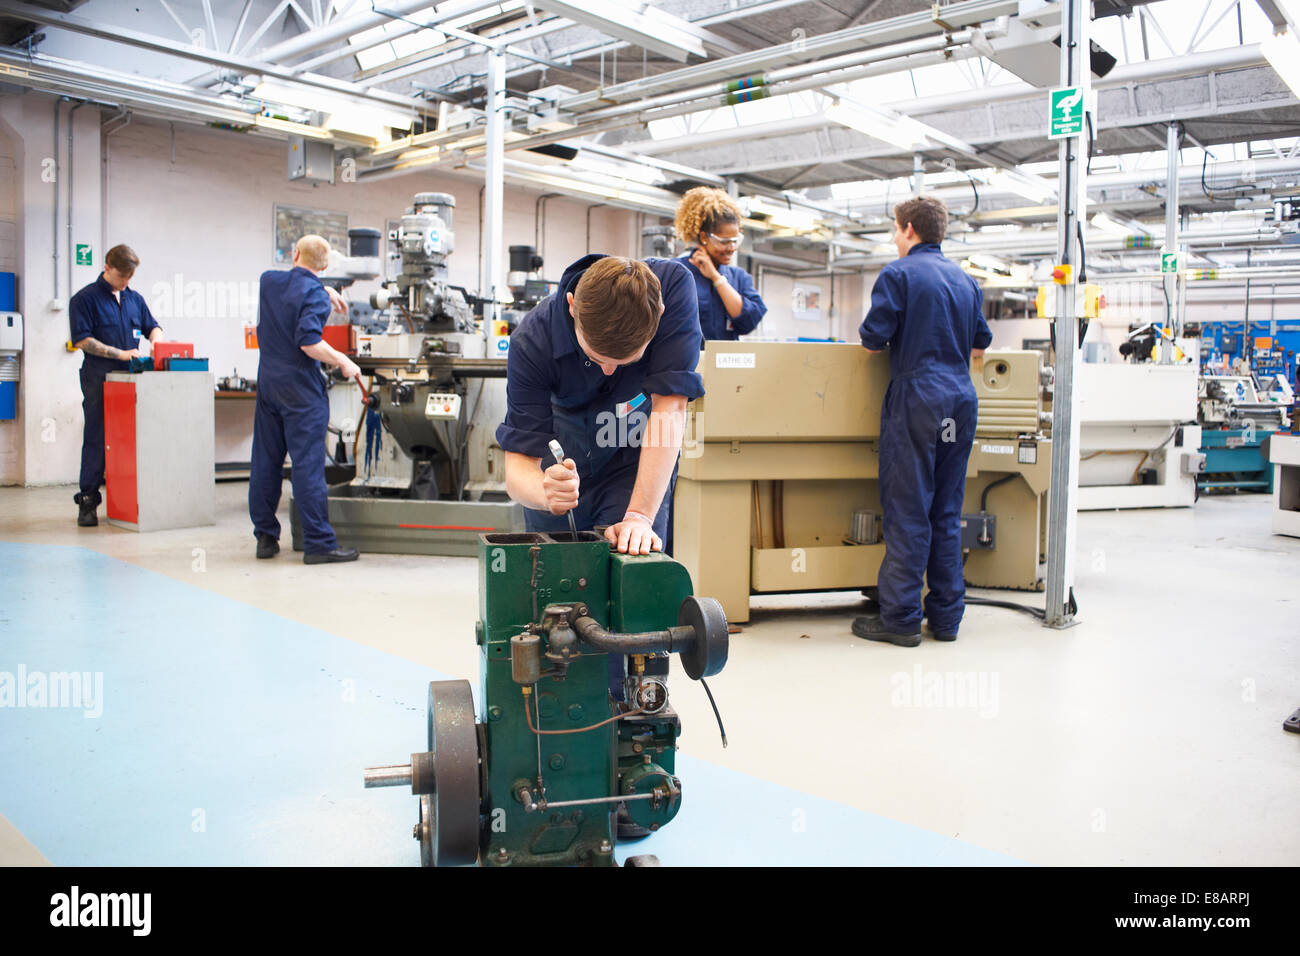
[537, 777]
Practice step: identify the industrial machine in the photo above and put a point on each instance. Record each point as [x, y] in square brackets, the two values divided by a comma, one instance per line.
[777, 490]
[535, 775]
[432, 478]
[1139, 444]
[1284, 453]
[1237, 424]
[11, 347]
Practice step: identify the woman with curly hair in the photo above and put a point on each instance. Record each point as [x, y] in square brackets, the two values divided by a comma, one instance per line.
[708, 221]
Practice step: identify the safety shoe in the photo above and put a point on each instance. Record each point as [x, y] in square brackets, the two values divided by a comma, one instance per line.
[86, 516]
[873, 629]
[942, 633]
[331, 557]
[267, 547]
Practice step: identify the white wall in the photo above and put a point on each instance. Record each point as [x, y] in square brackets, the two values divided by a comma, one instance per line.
[841, 313]
[50, 393]
[11, 432]
[205, 215]
[207, 218]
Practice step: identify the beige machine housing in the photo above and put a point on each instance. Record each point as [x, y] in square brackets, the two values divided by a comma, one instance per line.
[784, 447]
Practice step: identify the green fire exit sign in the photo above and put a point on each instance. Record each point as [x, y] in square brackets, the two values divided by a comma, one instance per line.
[83, 254]
[1066, 113]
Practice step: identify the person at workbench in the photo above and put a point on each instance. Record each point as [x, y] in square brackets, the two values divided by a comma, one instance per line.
[607, 366]
[292, 412]
[929, 314]
[107, 321]
[708, 221]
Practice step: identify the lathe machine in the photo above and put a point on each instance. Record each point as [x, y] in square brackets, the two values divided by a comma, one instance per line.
[535, 775]
[777, 490]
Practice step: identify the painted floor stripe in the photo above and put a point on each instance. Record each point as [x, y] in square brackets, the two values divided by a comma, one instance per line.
[233, 736]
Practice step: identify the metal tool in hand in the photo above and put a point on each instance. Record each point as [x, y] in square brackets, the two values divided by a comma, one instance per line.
[558, 452]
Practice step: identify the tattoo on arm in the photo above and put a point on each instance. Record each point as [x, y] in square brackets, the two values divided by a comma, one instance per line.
[92, 346]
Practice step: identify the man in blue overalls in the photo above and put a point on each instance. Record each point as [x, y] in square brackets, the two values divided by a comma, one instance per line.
[930, 315]
[293, 411]
[106, 320]
[607, 366]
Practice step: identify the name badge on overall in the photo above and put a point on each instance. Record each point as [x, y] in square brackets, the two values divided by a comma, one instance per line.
[624, 428]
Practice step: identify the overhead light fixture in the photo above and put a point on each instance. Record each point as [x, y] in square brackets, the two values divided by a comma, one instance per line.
[295, 129]
[1283, 55]
[651, 28]
[782, 216]
[345, 113]
[1031, 187]
[1118, 227]
[892, 128]
[991, 263]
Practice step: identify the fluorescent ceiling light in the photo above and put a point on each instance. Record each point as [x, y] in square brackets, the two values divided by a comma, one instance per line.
[651, 28]
[1118, 227]
[636, 172]
[779, 214]
[371, 116]
[1023, 184]
[1283, 55]
[992, 263]
[893, 128]
[297, 129]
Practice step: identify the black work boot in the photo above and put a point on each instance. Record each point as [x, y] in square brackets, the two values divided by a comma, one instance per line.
[872, 628]
[331, 557]
[267, 547]
[943, 633]
[86, 517]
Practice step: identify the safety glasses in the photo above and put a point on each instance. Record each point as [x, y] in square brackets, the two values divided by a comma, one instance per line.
[733, 242]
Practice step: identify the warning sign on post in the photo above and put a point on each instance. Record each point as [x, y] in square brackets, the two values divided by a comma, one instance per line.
[1169, 263]
[1066, 113]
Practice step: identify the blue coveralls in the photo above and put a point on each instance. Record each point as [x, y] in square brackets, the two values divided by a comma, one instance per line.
[715, 321]
[292, 411]
[930, 314]
[554, 391]
[95, 313]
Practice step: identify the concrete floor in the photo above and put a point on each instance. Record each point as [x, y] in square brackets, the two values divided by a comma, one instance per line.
[1148, 734]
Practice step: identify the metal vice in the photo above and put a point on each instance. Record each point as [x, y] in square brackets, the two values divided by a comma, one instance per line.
[574, 718]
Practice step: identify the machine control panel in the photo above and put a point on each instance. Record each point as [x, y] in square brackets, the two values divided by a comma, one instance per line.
[443, 405]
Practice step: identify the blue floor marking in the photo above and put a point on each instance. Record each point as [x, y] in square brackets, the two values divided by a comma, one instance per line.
[233, 736]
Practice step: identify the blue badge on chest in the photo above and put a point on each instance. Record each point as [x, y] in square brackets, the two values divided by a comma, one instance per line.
[622, 409]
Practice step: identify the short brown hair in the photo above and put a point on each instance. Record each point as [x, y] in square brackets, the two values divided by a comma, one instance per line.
[618, 305]
[928, 216]
[123, 259]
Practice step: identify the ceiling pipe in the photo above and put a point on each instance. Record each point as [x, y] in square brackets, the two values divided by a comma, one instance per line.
[895, 29]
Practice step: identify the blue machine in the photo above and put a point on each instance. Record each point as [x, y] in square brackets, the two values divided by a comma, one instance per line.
[1236, 458]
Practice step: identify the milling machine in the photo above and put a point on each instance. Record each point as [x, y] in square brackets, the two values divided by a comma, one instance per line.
[431, 479]
[535, 775]
[777, 490]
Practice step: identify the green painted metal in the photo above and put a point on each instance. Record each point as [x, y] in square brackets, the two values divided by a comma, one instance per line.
[519, 575]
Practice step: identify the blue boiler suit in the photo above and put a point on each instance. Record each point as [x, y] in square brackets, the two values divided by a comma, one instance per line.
[95, 313]
[715, 321]
[554, 391]
[930, 315]
[292, 412]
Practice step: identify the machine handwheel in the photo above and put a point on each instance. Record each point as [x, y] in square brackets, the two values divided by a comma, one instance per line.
[708, 655]
[449, 817]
